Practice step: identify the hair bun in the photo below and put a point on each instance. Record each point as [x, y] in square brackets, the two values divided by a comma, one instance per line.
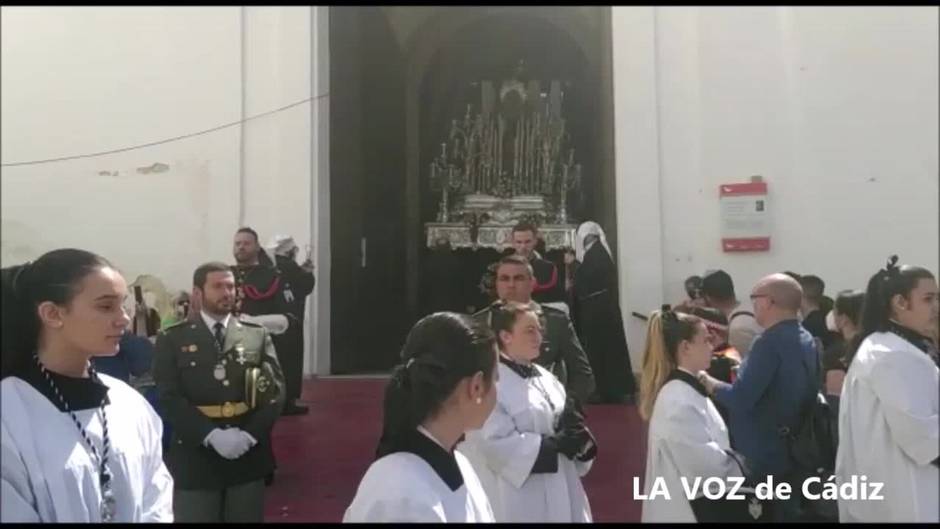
[891, 269]
[668, 315]
[892, 266]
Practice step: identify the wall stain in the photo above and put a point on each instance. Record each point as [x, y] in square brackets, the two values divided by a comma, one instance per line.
[157, 167]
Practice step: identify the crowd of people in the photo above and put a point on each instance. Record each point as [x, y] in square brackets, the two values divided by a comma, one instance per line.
[484, 418]
[732, 393]
[172, 419]
[869, 358]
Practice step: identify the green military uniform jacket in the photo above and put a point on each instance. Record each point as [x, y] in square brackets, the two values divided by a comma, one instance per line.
[561, 352]
[189, 371]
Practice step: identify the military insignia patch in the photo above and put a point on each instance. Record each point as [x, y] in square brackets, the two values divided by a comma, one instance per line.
[263, 384]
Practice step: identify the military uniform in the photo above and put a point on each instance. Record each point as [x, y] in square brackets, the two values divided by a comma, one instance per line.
[299, 284]
[549, 284]
[263, 289]
[561, 351]
[202, 388]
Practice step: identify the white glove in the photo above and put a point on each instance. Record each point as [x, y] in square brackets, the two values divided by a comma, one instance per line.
[229, 443]
[274, 323]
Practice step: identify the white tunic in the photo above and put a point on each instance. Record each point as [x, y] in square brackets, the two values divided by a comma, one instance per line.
[687, 438]
[403, 487]
[505, 449]
[888, 431]
[48, 472]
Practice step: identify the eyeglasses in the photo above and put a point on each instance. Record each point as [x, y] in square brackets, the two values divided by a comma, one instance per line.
[758, 296]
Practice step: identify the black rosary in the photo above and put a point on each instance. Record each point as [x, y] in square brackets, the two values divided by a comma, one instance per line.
[107, 506]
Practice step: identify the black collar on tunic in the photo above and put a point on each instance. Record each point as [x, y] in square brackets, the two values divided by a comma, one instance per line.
[443, 462]
[79, 393]
[678, 374]
[916, 339]
[524, 371]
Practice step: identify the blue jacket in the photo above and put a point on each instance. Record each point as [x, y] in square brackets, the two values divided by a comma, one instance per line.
[774, 383]
[133, 358]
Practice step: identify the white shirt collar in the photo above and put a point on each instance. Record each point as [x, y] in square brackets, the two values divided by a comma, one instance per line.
[210, 321]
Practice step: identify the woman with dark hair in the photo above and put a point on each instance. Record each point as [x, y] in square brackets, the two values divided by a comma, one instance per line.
[845, 321]
[78, 446]
[687, 436]
[533, 449]
[444, 388]
[888, 416]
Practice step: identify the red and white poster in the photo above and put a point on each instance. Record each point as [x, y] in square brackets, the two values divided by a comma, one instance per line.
[745, 224]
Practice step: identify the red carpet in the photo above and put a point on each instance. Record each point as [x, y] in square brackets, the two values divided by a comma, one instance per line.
[323, 455]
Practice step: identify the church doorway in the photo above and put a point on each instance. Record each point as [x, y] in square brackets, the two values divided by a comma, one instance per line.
[400, 77]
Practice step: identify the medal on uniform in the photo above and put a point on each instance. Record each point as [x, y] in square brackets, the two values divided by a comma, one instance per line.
[219, 372]
[241, 354]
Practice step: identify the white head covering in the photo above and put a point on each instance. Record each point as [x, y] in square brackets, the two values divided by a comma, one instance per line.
[589, 228]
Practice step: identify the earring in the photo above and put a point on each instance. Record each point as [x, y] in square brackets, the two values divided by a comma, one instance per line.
[479, 400]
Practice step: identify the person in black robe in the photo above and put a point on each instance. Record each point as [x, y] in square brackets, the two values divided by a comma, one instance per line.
[600, 319]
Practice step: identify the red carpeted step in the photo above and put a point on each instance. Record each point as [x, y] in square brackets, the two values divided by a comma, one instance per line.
[323, 455]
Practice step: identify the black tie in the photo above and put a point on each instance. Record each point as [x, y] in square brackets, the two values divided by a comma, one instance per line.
[219, 335]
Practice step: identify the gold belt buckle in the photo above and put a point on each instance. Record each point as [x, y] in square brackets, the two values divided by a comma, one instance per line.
[228, 410]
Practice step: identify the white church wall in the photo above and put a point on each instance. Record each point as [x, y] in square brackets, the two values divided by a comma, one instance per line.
[84, 80]
[277, 147]
[835, 107]
[89, 79]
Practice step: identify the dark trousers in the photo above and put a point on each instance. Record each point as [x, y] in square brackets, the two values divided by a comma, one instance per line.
[241, 503]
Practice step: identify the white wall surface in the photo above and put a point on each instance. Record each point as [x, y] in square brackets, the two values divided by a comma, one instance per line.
[84, 80]
[79, 80]
[836, 107]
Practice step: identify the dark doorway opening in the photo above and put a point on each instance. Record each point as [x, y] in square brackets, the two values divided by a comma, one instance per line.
[398, 76]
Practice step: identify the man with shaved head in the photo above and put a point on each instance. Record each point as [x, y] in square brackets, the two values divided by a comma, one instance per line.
[774, 382]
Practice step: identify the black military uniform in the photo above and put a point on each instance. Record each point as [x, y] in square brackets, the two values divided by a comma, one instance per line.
[561, 352]
[262, 289]
[298, 285]
[203, 387]
[549, 283]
